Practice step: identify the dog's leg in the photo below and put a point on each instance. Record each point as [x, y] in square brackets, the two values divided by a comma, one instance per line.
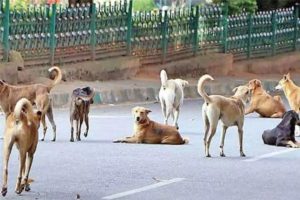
[291, 144]
[277, 115]
[86, 120]
[6, 154]
[129, 140]
[164, 111]
[43, 119]
[72, 130]
[206, 128]
[249, 110]
[49, 114]
[241, 132]
[79, 129]
[222, 141]
[26, 175]
[212, 128]
[22, 158]
[176, 111]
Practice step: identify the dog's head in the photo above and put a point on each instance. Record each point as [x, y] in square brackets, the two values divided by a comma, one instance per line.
[242, 92]
[289, 121]
[37, 116]
[285, 79]
[183, 83]
[253, 84]
[140, 114]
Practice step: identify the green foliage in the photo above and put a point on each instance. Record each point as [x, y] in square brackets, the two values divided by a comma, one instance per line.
[239, 6]
[19, 4]
[141, 5]
[275, 4]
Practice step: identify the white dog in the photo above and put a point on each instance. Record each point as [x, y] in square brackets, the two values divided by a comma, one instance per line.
[171, 97]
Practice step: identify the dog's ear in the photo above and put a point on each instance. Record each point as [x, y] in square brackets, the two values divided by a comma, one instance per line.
[288, 75]
[148, 111]
[257, 83]
[234, 89]
[184, 83]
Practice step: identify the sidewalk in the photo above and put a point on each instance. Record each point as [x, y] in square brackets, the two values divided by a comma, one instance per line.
[143, 90]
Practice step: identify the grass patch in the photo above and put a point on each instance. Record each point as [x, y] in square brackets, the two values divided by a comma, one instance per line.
[141, 5]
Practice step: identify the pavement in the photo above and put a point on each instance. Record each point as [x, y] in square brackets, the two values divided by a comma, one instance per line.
[144, 89]
[96, 168]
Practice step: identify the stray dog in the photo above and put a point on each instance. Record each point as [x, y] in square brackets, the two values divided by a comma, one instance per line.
[284, 133]
[79, 110]
[263, 103]
[230, 110]
[21, 129]
[171, 97]
[150, 132]
[291, 91]
[36, 93]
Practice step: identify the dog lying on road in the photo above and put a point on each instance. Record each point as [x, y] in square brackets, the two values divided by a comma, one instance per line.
[291, 91]
[284, 133]
[263, 103]
[171, 97]
[36, 93]
[150, 132]
[229, 110]
[79, 110]
[21, 129]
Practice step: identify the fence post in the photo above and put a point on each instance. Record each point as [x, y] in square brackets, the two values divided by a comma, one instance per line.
[195, 28]
[129, 28]
[250, 24]
[52, 34]
[93, 29]
[164, 36]
[274, 27]
[296, 16]
[6, 31]
[225, 26]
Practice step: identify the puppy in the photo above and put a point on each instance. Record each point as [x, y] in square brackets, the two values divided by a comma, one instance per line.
[230, 110]
[150, 132]
[284, 133]
[263, 103]
[79, 110]
[171, 97]
[21, 129]
[291, 91]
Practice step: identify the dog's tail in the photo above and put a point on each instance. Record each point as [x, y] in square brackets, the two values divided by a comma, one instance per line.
[57, 78]
[22, 105]
[200, 87]
[163, 78]
[186, 140]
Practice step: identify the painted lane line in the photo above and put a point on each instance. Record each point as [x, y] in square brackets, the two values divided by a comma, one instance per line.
[142, 189]
[109, 116]
[268, 155]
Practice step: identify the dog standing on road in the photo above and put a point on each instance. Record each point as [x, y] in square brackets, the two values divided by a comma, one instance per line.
[79, 110]
[150, 132]
[171, 97]
[263, 103]
[36, 93]
[21, 129]
[230, 110]
[284, 133]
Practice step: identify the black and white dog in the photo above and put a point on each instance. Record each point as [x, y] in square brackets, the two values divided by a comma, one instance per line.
[284, 133]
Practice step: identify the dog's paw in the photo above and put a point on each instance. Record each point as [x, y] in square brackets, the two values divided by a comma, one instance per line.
[27, 188]
[242, 154]
[4, 191]
[118, 141]
[53, 140]
[71, 140]
[85, 134]
[208, 155]
[222, 154]
[19, 190]
[42, 139]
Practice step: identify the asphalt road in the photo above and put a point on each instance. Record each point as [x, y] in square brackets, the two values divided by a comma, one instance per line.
[96, 168]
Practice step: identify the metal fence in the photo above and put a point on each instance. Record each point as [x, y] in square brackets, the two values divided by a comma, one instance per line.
[58, 34]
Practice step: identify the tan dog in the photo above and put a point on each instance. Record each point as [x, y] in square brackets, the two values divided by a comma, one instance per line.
[150, 132]
[230, 110]
[21, 129]
[36, 93]
[291, 91]
[263, 103]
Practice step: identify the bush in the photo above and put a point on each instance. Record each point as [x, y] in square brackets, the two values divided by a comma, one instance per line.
[239, 6]
[142, 5]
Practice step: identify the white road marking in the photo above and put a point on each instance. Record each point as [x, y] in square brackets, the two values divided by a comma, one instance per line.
[109, 116]
[142, 189]
[268, 155]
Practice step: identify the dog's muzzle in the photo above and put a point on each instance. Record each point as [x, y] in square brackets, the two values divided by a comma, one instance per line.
[138, 119]
[278, 87]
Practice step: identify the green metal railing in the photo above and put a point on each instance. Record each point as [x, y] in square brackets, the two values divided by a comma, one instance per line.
[58, 34]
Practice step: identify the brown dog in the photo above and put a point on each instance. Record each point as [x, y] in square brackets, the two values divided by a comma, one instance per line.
[263, 103]
[150, 132]
[230, 110]
[291, 91]
[79, 110]
[21, 129]
[36, 93]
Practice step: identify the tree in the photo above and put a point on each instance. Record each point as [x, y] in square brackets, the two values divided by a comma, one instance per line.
[275, 4]
[239, 6]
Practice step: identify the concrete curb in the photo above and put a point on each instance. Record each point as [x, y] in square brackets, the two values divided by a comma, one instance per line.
[150, 94]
